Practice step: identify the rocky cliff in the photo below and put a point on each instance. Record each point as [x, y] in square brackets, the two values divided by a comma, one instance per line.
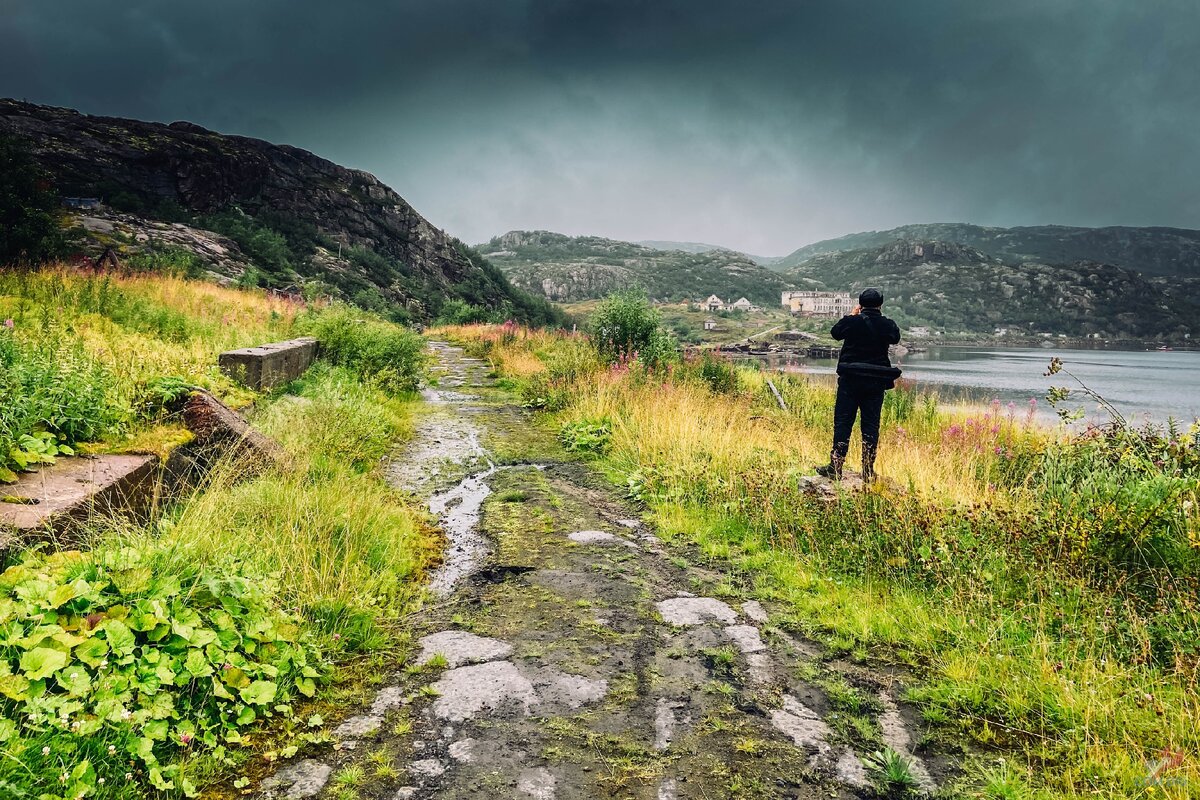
[297, 216]
[565, 269]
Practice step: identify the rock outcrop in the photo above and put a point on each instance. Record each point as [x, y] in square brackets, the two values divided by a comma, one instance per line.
[159, 171]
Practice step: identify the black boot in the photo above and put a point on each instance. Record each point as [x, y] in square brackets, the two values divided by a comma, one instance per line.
[868, 463]
[832, 470]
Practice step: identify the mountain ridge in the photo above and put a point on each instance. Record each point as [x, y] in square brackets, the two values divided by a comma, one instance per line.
[572, 268]
[1151, 250]
[962, 289]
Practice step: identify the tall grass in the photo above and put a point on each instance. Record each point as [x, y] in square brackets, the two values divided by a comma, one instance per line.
[1044, 583]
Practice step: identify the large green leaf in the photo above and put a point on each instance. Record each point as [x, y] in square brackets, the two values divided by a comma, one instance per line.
[92, 652]
[120, 638]
[42, 662]
[259, 693]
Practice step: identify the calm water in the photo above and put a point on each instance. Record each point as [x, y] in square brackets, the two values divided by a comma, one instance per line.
[1142, 385]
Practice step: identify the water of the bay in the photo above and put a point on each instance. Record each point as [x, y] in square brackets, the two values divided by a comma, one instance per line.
[1143, 385]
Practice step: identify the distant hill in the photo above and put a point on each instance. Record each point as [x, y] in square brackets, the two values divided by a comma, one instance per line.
[1170, 252]
[962, 289]
[246, 208]
[568, 269]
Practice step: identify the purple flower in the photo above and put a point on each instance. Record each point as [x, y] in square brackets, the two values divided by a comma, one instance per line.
[8, 323]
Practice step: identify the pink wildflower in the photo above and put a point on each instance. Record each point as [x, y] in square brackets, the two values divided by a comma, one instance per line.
[8, 323]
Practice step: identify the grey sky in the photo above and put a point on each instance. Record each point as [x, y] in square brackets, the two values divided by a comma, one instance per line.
[758, 125]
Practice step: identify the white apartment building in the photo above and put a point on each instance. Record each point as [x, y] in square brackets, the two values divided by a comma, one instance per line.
[818, 304]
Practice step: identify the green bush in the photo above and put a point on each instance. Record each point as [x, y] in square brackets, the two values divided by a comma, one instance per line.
[625, 327]
[112, 667]
[380, 353]
[52, 396]
[167, 261]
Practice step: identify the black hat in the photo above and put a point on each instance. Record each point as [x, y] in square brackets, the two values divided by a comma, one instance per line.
[870, 298]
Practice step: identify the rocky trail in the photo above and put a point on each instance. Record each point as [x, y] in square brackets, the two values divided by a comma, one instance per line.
[566, 652]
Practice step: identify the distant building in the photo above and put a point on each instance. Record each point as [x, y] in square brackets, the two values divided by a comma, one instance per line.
[742, 304]
[714, 303]
[918, 331]
[710, 324]
[818, 304]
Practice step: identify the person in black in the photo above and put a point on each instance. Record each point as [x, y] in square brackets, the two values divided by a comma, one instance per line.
[864, 374]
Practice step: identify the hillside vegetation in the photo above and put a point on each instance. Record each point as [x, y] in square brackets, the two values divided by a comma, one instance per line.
[960, 289]
[1170, 252]
[1042, 584]
[164, 655]
[569, 269]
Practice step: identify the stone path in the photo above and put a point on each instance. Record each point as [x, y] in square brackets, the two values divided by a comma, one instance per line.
[567, 653]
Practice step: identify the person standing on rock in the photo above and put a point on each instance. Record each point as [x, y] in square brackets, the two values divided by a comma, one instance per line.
[864, 374]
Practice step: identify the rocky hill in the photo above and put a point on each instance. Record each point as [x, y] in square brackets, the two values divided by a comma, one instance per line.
[1169, 252]
[566, 269]
[240, 204]
[961, 289]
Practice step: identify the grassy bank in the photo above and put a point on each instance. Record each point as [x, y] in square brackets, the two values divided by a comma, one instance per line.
[1042, 584]
[166, 655]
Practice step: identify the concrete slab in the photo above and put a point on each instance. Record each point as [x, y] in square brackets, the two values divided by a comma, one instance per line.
[269, 365]
[72, 490]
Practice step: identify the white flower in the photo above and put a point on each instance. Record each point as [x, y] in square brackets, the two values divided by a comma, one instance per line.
[46, 750]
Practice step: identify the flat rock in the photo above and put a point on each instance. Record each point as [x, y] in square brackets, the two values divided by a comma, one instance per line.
[806, 729]
[304, 779]
[359, 726]
[695, 611]
[745, 638]
[461, 647]
[597, 537]
[537, 784]
[755, 612]
[427, 768]
[467, 691]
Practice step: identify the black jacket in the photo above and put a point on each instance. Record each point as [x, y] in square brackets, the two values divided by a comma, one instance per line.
[865, 337]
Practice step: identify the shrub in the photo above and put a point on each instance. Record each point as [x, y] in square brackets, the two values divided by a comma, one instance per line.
[625, 327]
[587, 436]
[380, 353]
[109, 660]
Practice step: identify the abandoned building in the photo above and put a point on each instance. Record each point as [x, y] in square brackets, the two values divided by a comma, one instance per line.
[818, 304]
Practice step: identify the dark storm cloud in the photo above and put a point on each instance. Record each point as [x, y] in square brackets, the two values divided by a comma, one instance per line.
[760, 125]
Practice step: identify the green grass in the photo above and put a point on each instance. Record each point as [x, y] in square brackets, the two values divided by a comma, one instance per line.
[228, 611]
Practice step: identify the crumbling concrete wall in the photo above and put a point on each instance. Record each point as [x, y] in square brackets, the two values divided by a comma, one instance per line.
[269, 365]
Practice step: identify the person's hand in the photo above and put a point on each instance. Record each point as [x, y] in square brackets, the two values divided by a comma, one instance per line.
[857, 310]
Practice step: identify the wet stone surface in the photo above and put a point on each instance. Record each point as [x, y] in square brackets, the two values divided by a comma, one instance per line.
[565, 655]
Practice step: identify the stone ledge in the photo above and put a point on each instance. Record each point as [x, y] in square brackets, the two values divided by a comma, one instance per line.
[269, 365]
[71, 490]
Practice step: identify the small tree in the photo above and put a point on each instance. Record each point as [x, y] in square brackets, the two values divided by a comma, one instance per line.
[29, 230]
[626, 326]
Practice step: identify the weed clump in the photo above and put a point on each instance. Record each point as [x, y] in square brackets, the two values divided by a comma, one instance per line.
[377, 352]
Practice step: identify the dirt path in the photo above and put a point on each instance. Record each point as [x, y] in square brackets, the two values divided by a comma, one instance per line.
[567, 654]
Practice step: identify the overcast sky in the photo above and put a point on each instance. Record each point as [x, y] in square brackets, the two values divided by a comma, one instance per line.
[756, 125]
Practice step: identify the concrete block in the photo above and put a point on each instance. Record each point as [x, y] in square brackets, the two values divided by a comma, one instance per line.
[269, 365]
[58, 497]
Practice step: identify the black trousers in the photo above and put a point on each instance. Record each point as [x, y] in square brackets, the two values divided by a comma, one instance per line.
[854, 398]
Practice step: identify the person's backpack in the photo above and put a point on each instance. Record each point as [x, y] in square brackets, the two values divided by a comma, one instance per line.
[874, 375]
